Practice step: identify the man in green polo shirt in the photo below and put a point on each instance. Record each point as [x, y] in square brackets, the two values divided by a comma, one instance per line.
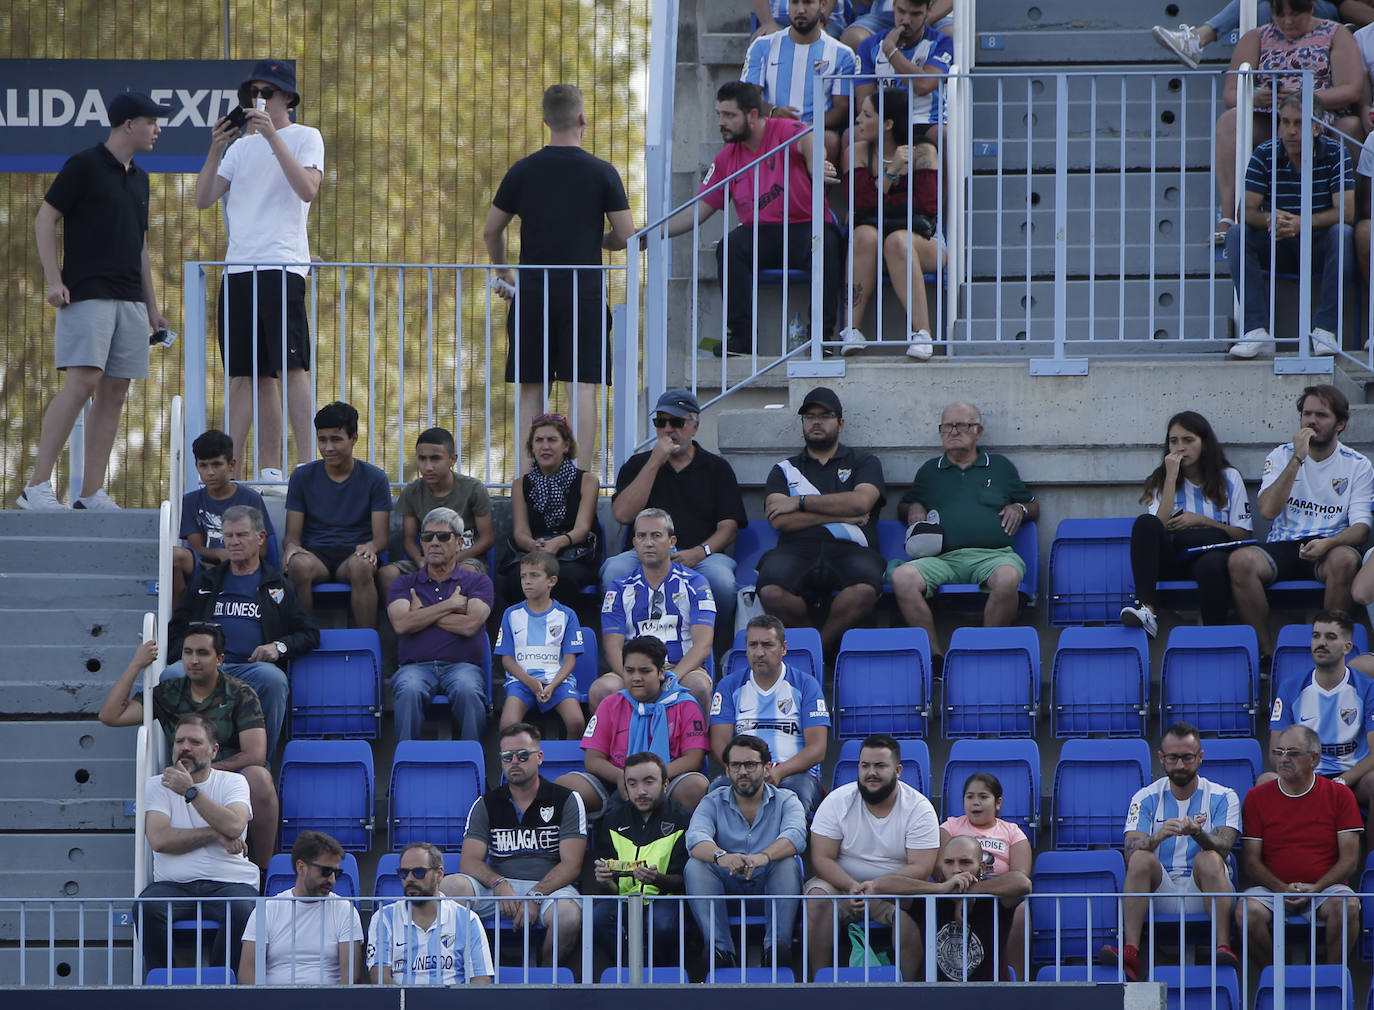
[982, 503]
[229, 704]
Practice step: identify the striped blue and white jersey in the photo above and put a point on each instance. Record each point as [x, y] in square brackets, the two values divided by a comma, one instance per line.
[1328, 496]
[779, 717]
[1189, 497]
[538, 642]
[932, 49]
[452, 951]
[1150, 807]
[1342, 717]
[785, 70]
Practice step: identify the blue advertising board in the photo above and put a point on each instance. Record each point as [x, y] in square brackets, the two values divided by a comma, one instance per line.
[50, 109]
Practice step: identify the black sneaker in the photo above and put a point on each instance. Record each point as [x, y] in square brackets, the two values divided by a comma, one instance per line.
[725, 959]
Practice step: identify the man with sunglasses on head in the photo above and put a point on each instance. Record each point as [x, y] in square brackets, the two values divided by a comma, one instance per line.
[440, 615]
[424, 940]
[267, 168]
[698, 487]
[311, 935]
[525, 839]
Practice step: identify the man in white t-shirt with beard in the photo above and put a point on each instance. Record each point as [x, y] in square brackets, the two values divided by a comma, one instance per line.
[268, 178]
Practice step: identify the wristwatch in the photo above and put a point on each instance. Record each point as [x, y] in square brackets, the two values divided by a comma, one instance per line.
[281, 648]
[715, 857]
[192, 793]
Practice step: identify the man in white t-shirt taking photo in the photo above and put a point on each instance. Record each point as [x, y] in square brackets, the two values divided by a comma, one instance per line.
[1317, 493]
[877, 835]
[268, 178]
[311, 935]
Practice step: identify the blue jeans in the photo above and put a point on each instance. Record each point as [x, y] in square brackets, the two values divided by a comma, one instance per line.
[705, 879]
[719, 570]
[804, 784]
[415, 683]
[270, 683]
[151, 916]
[1228, 18]
[660, 919]
[1329, 245]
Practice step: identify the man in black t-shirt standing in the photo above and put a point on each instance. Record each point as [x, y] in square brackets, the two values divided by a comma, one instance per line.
[559, 329]
[103, 292]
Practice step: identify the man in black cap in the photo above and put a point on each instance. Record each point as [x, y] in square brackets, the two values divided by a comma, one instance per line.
[698, 488]
[268, 172]
[824, 503]
[103, 292]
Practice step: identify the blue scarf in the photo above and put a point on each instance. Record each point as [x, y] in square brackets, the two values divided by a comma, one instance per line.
[649, 719]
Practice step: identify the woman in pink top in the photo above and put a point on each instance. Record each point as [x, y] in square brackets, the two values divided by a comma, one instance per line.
[1006, 858]
[1295, 40]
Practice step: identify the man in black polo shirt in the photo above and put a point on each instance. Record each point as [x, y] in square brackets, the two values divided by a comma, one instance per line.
[824, 503]
[103, 292]
[525, 839]
[698, 488]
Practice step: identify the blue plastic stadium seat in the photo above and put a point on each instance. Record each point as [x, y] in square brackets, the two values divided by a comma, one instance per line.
[1210, 677]
[1090, 571]
[1366, 940]
[208, 975]
[969, 595]
[882, 682]
[1065, 921]
[336, 690]
[433, 786]
[327, 785]
[1233, 763]
[992, 682]
[588, 666]
[1334, 988]
[1079, 973]
[915, 764]
[281, 875]
[1093, 784]
[387, 883]
[867, 973]
[1015, 763]
[656, 975]
[758, 975]
[515, 974]
[561, 757]
[1192, 986]
[751, 543]
[803, 653]
[1100, 683]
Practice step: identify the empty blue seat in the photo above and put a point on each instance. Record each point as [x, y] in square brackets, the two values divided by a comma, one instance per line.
[658, 974]
[1210, 677]
[882, 682]
[866, 973]
[336, 690]
[530, 974]
[387, 883]
[751, 543]
[759, 975]
[1093, 785]
[204, 975]
[1191, 986]
[560, 757]
[1308, 987]
[1080, 973]
[1100, 683]
[915, 764]
[803, 653]
[1233, 763]
[1090, 571]
[1068, 928]
[1016, 763]
[1366, 940]
[992, 682]
[327, 785]
[281, 875]
[588, 666]
[433, 786]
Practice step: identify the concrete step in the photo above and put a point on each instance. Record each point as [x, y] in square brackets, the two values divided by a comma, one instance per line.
[73, 865]
[59, 553]
[105, 626]
[67, 776]
[60, 590]
[124, 523]
[68, 967]
[721, 49]
[1013, 15]
[1090, 39]
[42, 695]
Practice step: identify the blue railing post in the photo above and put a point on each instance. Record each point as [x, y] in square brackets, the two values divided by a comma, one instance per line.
[1060, 364]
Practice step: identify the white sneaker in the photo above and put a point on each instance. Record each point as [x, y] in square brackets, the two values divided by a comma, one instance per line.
[852, 341]
[1183, 43]
[272, 475]
[98, 502]
[919, 347]
[1324, 343]
[40, 498]
[1250, 345]
[1140, 617]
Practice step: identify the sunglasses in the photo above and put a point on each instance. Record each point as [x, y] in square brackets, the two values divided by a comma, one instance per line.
[547, 418]
[522, 755]
[418, 872]
[444, 536]
[328, 871]
[257, 92]
[673, 422]
[203, 626]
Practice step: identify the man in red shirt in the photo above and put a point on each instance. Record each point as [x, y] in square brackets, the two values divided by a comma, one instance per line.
[1300, 839]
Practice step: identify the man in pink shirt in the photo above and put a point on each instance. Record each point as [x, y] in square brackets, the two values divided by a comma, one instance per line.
[653, 713]
[772, 199]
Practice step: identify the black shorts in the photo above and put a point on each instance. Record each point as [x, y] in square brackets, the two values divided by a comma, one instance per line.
[578, 336]
[332, 556]
[240, 326]
[816, 569]
[1284, 560]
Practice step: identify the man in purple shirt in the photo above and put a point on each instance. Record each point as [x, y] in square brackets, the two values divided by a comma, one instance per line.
[439, 614]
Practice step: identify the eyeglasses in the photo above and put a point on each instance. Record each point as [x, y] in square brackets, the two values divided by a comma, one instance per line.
[1279, 753]
[257, 92]
[443, 536]
[820, 415]
[1178, 759]
[549, 418]
[418, 872]
[958, 427]
[203, 626]
[670, 422]
[328, 871]
[522, 755]
[744, 766]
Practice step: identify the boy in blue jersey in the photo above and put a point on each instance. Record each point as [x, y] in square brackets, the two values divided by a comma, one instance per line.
[1179, 831]
[202, 510]
[539, 643]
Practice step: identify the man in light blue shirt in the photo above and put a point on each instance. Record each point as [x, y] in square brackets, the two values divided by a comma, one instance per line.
[744, 840]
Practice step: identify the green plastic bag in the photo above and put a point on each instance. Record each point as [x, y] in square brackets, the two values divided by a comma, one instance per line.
[860, 953]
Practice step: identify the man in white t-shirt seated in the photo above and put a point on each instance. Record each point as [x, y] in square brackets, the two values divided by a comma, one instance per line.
[311, 936]
[877, 835]
[196, 824]
[426, 940]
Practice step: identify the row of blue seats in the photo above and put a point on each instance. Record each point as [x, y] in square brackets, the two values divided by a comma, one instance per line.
[514, 974]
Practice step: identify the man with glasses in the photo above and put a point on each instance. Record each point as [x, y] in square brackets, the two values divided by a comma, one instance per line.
[267, 168]
[824, 503]
[981, 503]
[423, 940]
[1300, 841]
[744, 841]
[440, 614]
[662, 598]
[698, 487]
[310, 935]
[525, 839]
[1180, 829]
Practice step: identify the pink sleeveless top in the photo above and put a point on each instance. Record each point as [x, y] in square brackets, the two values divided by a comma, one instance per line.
[1310, 52]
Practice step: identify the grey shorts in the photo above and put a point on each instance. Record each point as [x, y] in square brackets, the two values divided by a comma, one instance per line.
[484, 904]
[604, 789]
[1318, 899]
[106, 334]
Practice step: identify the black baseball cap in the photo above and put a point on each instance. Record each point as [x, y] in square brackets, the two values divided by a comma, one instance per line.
[822, 396]
[132, 104]
[677, 403]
